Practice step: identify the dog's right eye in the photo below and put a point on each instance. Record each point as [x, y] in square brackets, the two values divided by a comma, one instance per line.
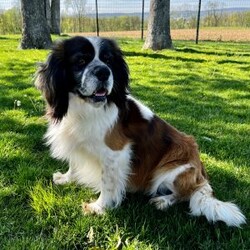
[79, 60]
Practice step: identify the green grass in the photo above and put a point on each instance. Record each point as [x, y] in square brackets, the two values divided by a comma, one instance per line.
[202, 90]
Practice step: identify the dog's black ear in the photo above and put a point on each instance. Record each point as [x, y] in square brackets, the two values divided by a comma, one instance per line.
[51, 78]
[121, 76]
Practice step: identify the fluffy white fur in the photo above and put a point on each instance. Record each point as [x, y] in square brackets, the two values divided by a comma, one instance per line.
[144, 110]
[167, 179]
[202, 202]
[79, 139]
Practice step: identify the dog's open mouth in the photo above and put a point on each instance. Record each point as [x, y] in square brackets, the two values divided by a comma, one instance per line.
[98, 95]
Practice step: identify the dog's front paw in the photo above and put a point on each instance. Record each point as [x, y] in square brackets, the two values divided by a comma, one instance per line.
[92, 208]
[60, 179]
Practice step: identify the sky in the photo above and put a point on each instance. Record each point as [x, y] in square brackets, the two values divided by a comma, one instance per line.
[130, 6]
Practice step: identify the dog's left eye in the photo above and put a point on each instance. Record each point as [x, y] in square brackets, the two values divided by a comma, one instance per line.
[81, 62]
[108, 59]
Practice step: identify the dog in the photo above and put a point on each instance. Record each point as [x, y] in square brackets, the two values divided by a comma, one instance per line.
[112, 142]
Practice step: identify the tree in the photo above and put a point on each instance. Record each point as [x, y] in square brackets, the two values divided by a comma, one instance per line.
[10, 21]
[55, 17]
[35, 30]
[52, 15]
[214, 14]
[79, 8]
[158, 36]
[47, 13]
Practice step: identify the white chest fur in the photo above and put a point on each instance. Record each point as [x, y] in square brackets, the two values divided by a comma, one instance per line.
[79, 139]
[84, 127]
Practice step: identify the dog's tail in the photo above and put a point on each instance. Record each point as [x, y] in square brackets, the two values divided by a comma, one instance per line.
[202, 202]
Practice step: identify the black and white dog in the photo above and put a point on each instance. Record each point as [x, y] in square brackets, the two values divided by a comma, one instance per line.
[112, 142]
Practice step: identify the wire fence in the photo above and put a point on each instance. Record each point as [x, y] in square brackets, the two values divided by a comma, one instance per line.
[219, 19]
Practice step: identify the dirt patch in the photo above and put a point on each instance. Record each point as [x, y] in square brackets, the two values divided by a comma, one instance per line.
[235, 35]
[217, 34]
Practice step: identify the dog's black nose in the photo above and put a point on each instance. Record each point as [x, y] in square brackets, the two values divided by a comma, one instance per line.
[102, 73]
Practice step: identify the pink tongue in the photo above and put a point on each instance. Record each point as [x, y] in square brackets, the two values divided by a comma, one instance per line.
[103, 93]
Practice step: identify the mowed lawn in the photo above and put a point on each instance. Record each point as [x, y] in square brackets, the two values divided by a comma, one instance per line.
[203, 90]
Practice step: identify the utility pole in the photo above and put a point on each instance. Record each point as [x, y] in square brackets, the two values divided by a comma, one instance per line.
[142, 20]
[97, 18]
[198, 23]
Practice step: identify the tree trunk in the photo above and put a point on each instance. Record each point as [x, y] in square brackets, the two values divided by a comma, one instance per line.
[158, 36]
[47, 12]
[35, 31]
[55, 17]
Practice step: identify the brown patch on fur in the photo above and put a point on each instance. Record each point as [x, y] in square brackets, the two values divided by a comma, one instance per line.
[203, 172]
[115, 138]
[187, 182]
[158, 147]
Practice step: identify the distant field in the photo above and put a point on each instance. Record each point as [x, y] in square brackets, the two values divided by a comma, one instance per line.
[211, 34]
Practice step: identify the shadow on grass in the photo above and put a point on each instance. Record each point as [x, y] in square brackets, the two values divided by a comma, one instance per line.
[27, 160]
[163, 228]
[17, 84]
[135, 219]
[209, 52]
[197, 110]
[24, 135]
[5, 38]
[220, 84]
[18, 71]
[161, 56]
[246, 68]
[231, 61]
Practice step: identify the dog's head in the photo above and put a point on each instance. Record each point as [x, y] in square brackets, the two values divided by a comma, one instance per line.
[91, 68]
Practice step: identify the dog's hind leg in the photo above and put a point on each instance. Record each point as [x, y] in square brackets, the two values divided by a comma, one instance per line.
[163, 188]
[188, 183]
[164, 201]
